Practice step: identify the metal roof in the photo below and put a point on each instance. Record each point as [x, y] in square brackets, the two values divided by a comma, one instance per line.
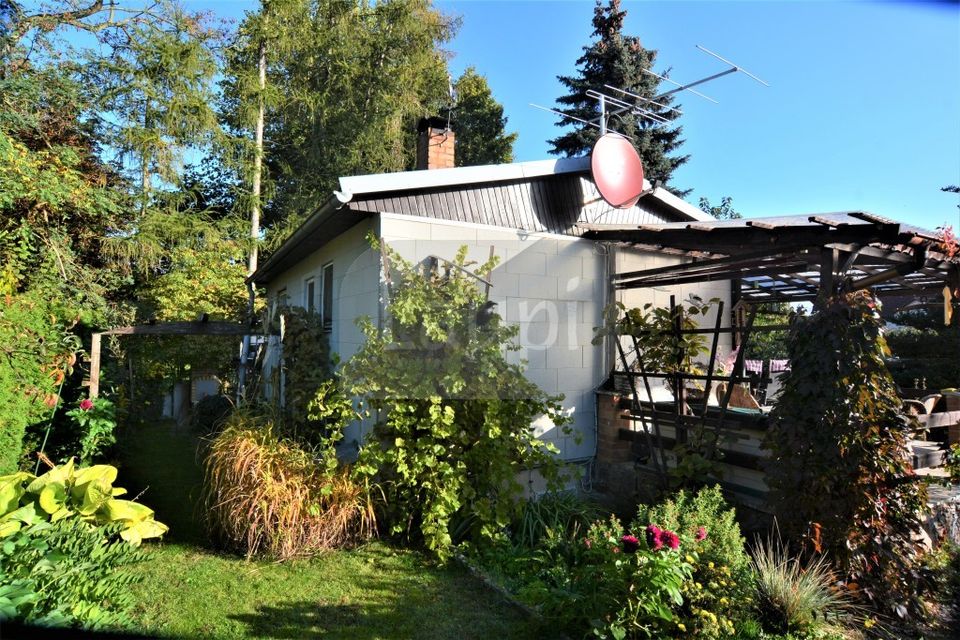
[552, 196]
[787, 258]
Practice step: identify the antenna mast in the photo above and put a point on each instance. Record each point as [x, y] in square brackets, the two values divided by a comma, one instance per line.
[650, 109]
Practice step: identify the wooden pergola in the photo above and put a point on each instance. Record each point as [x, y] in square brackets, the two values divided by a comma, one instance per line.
[806, 258]
[793, 258]
[197, 328]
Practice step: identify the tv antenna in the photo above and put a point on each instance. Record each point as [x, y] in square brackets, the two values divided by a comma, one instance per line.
[652, 109]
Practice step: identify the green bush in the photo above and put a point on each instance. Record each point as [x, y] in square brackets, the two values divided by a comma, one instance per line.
[839, 471]
[719, 591]
[67, 573]
[40, 353]
[455, 418]
[308, 365]
[95, 421]
[611, 583]
[622, 582]
[686, 512]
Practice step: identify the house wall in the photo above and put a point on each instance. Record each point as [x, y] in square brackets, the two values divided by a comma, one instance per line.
[356, 284]
[554, 288]
[627, 259]
[356, 293]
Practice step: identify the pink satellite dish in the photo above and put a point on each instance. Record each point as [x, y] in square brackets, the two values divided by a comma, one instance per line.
[617, 170]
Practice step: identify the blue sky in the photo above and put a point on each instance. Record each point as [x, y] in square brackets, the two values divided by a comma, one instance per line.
[863, 111]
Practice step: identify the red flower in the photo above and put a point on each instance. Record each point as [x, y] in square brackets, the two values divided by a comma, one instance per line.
[630, 543]
[654, 537]
[670, 539]
[701, 534]
[86, 404]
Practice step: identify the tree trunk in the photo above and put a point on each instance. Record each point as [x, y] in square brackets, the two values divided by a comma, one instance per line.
[257, 161]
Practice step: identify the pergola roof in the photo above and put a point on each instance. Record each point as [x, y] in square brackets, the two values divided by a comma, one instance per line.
[788, 258]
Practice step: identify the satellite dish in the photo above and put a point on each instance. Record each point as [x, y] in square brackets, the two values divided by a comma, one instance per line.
[617, 170]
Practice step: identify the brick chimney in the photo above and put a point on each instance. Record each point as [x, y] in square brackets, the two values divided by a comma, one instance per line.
[435, 144]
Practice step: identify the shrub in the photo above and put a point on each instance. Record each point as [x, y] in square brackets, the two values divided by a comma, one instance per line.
[839, 473]
[686, 512]
[95, 421]
[614, 583]
[39, 355]
[455, 417]
[718, 592]
[67, 573]
[794, 596]
[266, 495]
[308, 364]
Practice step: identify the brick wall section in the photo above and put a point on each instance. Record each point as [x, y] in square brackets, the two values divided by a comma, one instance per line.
[435, 149]
[610, 419]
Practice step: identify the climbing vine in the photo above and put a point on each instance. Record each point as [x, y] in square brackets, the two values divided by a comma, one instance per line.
[453, 430]
[840, 476]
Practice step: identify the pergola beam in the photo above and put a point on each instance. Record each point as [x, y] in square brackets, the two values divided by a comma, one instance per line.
[199, 328]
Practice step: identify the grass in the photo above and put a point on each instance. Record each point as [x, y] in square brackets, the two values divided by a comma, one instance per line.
[269, 497]
[376, 591]
[796, 596]
[373, 592]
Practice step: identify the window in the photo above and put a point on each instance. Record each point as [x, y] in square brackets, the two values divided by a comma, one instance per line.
[326, 308]
[282, 296]
[310, 294]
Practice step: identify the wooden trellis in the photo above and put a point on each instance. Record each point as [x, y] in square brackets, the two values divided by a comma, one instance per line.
[680, 415]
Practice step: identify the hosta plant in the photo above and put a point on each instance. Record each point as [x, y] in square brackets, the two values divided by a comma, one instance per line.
[65, 491]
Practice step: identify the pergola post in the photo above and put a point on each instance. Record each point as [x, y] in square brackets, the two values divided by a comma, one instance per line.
[94, 382]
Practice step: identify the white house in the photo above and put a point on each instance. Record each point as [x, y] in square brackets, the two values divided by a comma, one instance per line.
[550, 281]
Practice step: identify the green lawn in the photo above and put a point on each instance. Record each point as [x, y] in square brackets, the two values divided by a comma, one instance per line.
[378, 591]
[373, 592]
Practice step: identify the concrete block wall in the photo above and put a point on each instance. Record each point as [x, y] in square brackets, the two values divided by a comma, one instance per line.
[551, 287]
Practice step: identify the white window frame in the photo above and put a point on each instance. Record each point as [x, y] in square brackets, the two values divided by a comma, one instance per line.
[326, 314]
[310, 299]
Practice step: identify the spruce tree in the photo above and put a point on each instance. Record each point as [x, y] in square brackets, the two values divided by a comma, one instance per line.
[618, 60]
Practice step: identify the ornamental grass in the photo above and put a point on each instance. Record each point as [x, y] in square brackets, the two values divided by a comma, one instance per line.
[793, 596]
[268, 496]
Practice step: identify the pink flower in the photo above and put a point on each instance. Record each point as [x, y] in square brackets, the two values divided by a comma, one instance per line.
[701, 534]
[587, 543]
[86, 404]
[616, 549]
[670, 539]
[654, 537]
[630, 543]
